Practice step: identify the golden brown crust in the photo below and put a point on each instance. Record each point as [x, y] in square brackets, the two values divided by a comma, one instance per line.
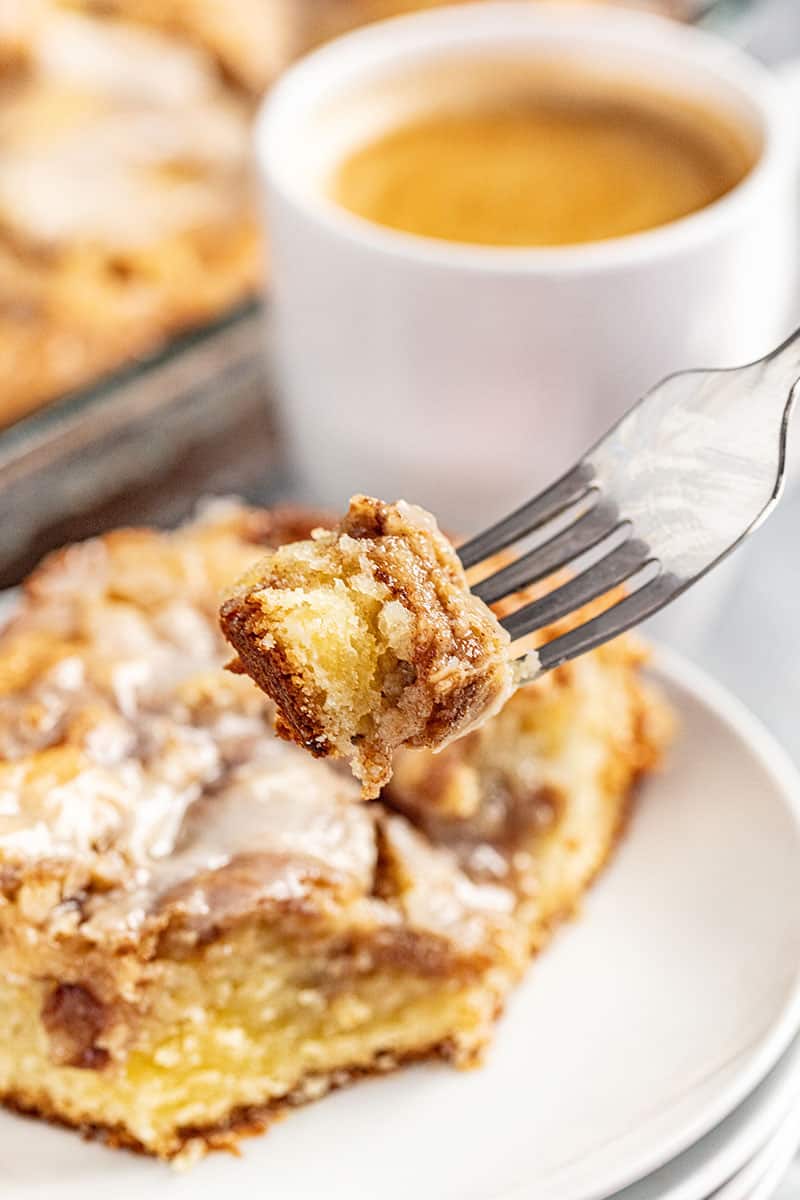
[297, 718]
[247, 1121]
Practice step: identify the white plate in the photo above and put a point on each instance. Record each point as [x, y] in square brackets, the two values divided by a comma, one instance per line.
[646, 1023]
[765, 1171]
[779, 1182]
[770, 1187]
[741, 1146]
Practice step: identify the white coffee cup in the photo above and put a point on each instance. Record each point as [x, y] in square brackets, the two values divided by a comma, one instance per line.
[467, 377]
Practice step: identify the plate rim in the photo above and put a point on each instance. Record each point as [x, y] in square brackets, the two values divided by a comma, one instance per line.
[767, 1116]
[774, 1156]
[723, 705]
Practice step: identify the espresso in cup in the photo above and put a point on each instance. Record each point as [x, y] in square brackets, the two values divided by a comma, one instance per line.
[566, 160]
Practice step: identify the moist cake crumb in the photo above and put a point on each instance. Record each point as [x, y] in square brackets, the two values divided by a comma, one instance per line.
[368, 638]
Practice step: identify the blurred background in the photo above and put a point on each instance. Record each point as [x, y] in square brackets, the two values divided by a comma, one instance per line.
[134, 292]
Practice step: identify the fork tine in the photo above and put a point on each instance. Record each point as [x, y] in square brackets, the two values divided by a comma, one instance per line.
[587, 531]
[609, 572]
[571, 487]
[615, 620]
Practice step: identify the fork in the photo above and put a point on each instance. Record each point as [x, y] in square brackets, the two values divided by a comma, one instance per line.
[678, 483]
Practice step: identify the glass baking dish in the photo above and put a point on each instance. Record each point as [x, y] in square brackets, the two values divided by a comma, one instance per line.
[141, 446]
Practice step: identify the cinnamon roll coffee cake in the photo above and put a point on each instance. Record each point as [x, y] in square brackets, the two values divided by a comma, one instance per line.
[202, 925]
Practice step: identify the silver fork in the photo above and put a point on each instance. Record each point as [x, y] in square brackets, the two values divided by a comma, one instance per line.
[677, 484]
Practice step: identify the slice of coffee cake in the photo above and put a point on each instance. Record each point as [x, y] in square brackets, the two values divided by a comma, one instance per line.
[199, 923]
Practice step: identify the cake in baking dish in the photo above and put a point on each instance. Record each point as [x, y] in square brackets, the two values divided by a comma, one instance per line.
[125, 196]
[250, 40]
[200, 924]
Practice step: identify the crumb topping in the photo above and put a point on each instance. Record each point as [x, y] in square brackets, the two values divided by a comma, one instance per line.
[142, 785]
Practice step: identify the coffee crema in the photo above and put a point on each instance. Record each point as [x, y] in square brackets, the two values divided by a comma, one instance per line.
[549, 168]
